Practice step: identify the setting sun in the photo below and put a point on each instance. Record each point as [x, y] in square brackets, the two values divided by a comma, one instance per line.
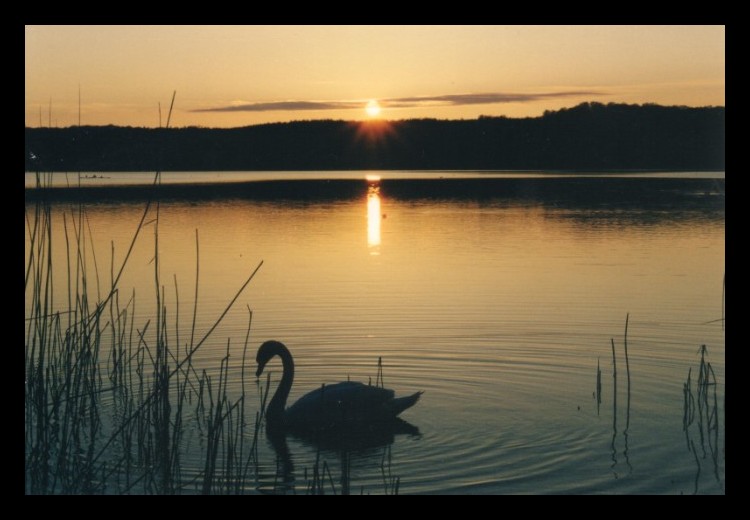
[373, 108]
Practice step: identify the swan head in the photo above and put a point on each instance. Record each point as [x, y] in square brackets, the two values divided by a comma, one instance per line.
[268, 350]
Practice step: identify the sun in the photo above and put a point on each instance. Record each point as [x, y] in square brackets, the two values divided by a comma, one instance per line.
[372, 108]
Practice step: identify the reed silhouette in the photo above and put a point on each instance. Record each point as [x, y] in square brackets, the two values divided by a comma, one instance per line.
[134, 441]
[597, 396]
[700, 420]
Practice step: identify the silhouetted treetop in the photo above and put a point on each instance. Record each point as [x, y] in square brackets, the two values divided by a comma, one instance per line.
[589, 136]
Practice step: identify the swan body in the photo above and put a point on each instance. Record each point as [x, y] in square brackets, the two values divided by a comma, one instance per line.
[330, 407]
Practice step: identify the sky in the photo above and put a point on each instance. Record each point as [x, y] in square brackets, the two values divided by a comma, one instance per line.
[230, 76]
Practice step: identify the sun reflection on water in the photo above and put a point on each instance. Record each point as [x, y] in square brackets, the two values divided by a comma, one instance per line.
[374, 214]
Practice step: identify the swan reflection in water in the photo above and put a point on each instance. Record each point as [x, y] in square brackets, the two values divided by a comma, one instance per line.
[348, 418]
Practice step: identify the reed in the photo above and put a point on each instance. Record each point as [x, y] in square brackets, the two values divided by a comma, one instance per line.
[379, 375]
[391, 483]
[108, 401]
[75, 442]
[321, 474]
[723, 298]
[598, 396]
[614, 383]
[598, 393]
[627, 370]
[700, 420]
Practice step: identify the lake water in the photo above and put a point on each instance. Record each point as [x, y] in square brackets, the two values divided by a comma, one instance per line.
[497, 294]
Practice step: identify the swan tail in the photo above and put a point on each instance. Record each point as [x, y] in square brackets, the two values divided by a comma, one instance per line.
[398, 405]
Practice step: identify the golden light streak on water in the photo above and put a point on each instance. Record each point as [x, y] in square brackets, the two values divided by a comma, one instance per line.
[374, 214]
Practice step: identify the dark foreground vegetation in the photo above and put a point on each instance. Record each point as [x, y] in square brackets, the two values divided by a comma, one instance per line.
[590, 136]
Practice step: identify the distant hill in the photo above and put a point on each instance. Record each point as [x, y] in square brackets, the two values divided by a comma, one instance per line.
[590, 136]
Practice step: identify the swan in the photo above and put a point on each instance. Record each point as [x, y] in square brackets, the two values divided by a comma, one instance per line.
[332, 407]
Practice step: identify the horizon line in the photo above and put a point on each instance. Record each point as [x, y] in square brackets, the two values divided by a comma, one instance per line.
[378, 120]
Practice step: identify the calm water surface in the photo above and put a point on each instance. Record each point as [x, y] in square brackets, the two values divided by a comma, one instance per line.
[498, 303]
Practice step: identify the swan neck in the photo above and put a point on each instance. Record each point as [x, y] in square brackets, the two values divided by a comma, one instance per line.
[275, 411]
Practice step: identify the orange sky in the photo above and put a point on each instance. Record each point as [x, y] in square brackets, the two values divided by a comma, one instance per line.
[230, 76]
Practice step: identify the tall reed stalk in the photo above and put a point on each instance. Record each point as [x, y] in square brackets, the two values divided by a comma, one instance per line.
[700, 419]
[107, 400]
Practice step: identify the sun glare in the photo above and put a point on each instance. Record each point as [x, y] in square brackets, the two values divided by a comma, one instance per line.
[373, 108]
[373, 214]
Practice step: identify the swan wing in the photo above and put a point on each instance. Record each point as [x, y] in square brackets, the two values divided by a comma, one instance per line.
[340, 403]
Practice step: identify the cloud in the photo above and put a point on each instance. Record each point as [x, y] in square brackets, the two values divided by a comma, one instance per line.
[489, 98]
[285, 106]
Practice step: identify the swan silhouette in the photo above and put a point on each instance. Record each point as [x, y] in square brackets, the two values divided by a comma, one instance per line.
[337, 407]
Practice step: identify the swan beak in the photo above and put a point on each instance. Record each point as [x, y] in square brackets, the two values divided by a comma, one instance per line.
[258, 372]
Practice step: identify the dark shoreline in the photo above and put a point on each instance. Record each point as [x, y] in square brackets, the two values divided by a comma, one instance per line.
[589, 136]
[590, 192]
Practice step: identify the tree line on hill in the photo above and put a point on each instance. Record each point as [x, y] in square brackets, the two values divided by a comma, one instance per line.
[589, 136]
